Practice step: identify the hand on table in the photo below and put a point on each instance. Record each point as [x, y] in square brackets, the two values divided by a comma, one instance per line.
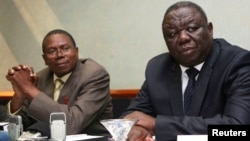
[138, 133]
[144, 120]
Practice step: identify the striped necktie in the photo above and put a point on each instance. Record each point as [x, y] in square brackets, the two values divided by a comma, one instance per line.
[58, 87]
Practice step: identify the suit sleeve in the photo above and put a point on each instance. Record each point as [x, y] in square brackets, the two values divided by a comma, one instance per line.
[233, 87]
[90, 99]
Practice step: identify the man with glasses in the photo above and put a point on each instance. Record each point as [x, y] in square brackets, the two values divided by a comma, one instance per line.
[84, 95]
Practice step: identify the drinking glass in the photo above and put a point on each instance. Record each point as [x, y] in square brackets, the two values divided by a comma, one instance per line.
[119, 128]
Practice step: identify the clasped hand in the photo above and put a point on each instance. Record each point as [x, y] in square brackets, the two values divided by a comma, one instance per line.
[22, 77]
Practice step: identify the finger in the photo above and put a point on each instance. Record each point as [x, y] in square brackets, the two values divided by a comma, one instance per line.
[30, 69]
[32, 74]
[8, 77]
[11, 72]
[23, 66]
[27, 68]
[35, 79]
[17, 68]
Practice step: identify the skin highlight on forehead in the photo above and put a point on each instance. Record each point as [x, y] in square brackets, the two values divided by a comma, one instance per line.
[182, 16]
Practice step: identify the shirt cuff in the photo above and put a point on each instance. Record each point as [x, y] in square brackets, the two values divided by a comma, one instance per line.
[8, 109]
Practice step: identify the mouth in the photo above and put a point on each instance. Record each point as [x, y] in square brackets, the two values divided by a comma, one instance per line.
[61, 64]
[188, 50]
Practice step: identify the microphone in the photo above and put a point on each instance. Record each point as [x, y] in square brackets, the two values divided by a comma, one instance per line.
[58, 126]
[15, 127]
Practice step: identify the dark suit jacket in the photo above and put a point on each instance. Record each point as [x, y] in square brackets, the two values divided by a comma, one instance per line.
[222, 95]
[85, 99]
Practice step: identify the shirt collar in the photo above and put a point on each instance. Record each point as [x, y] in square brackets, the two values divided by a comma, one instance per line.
[63, 78]
[198, 67]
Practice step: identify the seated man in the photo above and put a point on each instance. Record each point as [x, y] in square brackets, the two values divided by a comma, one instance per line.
[174, 102]
[84, 96]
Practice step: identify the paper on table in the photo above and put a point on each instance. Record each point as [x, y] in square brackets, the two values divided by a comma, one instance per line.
[4, 126]
[80, 137]
[3, 123]
[192, 138]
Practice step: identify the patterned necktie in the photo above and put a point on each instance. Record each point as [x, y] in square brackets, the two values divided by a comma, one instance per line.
[58, 87]
[190, 89]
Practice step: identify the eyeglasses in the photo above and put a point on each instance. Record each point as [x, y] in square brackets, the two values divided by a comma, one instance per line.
[56, 51]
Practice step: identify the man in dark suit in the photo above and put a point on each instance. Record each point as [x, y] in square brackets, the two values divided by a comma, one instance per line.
[84, 96]
[222, 89]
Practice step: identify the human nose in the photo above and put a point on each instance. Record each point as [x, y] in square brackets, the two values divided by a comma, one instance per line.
[59, 52]
[183, 36]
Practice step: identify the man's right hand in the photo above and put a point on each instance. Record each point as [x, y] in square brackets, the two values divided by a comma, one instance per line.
[19, 97]
[15, 69]
[144, 120]
[138, 133]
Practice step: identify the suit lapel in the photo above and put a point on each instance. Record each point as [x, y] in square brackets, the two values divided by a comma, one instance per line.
[201, 88]
[203, 80]
[175, 90]
[46, 83]
[69, 87]
[50, 89]
[66, 93]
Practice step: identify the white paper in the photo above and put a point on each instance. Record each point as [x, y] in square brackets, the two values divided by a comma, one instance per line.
[80, 137]
[5, 126]
[4, 123]
[192, 138]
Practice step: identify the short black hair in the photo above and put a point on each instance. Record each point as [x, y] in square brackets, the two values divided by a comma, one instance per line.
[181, 4]
[58, 31]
